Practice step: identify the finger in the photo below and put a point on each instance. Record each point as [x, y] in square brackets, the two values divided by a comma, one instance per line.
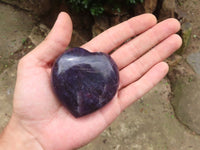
[135, 70]
[137, 89]
[56, 41]
[138, 46]
[118, 34]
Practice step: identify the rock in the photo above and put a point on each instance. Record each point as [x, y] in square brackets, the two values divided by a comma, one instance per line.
[39, 33]
[77, 39]
[37, 7]
[81, 23]
[82, 27]
[186, 101]
[150, 5]
[181, 14]
[15, 26]
[116, 17]
[96, 30]
[100, 25]
[7, 82]
[138, 9]
[149, 123]
[84, 82]
[174, 60]
[167, 10]
[179, 70]
[193, 60]
[114, 20]
[185, 85]
[186, 30]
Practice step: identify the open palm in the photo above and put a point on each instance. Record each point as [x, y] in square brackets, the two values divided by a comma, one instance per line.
[139, 62]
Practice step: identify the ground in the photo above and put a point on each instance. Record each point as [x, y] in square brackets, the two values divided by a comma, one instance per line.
[167, 118]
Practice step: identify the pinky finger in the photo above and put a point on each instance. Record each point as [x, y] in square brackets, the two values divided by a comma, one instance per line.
[136, 90]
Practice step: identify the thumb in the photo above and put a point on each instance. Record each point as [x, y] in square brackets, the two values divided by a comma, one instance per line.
[56, 41]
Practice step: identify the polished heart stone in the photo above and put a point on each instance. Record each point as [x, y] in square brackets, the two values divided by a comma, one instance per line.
[84, 81]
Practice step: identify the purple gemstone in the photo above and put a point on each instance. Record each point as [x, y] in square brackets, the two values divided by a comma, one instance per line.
[84, 81]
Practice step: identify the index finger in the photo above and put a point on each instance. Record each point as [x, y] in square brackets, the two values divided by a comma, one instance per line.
[115, 36]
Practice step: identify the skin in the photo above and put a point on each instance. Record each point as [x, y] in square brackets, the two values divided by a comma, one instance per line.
[39, 121]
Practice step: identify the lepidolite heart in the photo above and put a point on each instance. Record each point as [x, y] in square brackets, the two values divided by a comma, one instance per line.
[84, 81]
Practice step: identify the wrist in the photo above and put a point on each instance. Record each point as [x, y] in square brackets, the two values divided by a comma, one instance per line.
[16, 137]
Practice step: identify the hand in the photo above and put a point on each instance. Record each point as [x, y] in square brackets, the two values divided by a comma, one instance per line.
[38, 114]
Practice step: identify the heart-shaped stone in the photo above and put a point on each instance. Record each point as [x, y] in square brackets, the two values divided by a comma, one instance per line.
[84, 81]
